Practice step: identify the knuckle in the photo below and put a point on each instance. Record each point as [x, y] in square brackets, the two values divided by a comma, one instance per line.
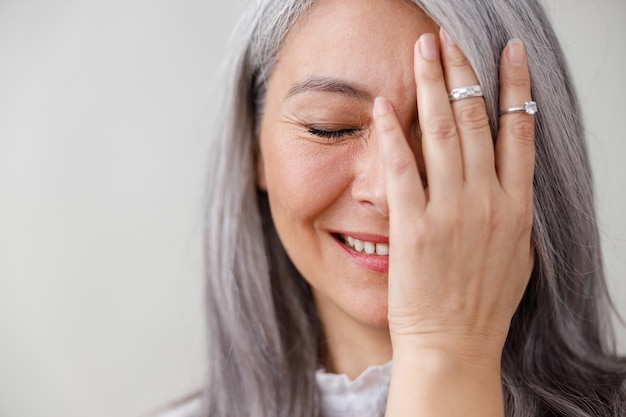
[442, 128]
[491, 214]
[399, 165]
[458, 61]
[422, 236]
[525, 218]
[523, 128]
[472, 114]
[454, 210]
[517, 81]
[452, 218]
[430, 74]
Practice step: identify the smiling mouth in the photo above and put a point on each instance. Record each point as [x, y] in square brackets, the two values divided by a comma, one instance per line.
[362, 246]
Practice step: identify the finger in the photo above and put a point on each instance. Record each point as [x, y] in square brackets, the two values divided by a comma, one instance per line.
[470, 114]
[515, 147]
[440, 142]
[403, 185]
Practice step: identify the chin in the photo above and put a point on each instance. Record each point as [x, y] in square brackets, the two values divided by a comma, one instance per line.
[373, 311]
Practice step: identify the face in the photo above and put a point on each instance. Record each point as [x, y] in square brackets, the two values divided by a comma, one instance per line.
[319, 161]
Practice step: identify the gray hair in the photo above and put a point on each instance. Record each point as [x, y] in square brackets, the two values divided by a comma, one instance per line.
[262, 328]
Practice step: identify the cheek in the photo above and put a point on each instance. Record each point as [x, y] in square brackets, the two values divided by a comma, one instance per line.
[304, 178]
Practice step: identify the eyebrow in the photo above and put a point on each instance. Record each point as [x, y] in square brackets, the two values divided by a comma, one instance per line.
[328, 85]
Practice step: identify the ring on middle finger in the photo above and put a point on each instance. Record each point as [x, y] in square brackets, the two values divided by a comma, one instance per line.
[465, 92]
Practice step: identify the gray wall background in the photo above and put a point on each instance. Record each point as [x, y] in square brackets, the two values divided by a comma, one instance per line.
[106, 108]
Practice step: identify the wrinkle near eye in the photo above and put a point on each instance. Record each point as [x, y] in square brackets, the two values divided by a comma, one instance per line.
[327, 120]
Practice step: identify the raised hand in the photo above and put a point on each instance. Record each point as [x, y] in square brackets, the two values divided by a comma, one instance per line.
[460, 248]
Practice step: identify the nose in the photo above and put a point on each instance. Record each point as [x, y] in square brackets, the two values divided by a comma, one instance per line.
[368, 187]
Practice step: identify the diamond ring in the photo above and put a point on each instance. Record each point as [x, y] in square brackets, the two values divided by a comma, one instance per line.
[529, 107]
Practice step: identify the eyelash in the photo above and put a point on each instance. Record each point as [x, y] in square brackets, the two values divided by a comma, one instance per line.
[333, 134]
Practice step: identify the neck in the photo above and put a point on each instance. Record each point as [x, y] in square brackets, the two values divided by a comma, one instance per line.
[349, 346]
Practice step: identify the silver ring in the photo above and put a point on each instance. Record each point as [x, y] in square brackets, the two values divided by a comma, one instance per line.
[529, 107]
[465, 92]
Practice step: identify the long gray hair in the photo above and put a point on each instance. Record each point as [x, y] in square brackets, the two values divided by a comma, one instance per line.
[263, 332]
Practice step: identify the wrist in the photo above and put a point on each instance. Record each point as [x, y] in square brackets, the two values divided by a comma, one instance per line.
[443, 354]
[440, 383]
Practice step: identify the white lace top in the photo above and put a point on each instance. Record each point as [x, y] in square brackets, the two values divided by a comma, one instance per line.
[366, 396]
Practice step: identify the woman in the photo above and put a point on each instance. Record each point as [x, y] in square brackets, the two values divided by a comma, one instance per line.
[453, 248]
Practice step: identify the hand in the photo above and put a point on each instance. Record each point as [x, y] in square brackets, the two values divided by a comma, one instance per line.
[460, 251]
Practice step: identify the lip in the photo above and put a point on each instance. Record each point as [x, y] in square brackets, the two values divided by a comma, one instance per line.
[374, 263]
[369, 237]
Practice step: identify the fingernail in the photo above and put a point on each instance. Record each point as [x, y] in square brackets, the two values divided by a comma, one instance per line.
[428, 47]
[446, 37]
[381, 106]
[515, 52]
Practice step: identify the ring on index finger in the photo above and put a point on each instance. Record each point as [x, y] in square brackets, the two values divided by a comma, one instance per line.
[465, 92]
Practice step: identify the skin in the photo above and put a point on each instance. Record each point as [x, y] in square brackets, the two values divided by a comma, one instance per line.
[456, 212]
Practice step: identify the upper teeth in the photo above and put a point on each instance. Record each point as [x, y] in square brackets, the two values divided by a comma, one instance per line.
[367, 247]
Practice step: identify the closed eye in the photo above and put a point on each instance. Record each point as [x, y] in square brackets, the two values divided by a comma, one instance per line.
[332, 134]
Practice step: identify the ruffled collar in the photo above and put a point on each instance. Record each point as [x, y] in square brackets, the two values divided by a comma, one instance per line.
[366, 396]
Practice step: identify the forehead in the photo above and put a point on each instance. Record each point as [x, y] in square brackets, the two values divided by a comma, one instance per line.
[360, 18]
[367, 42]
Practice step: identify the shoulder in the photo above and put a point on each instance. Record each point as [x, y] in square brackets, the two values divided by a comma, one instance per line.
[187, 408]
